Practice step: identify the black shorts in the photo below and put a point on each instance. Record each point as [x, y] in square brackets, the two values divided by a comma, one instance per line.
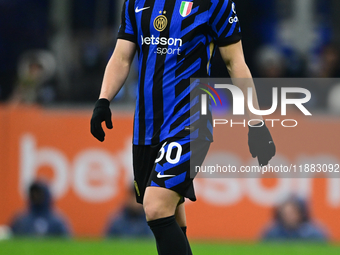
[167, 165]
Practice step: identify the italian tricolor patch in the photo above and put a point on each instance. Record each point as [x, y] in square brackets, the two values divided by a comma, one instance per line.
[186, 8]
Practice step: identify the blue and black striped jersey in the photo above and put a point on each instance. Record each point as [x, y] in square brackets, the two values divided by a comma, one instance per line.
[175, 40]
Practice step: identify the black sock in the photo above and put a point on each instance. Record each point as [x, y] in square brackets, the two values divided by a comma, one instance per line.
[184, 229]
[169, 236]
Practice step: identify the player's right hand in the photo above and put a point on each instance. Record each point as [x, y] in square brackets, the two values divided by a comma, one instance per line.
[101, 113]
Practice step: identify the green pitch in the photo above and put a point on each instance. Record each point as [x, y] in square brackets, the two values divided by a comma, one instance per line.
[146, 247]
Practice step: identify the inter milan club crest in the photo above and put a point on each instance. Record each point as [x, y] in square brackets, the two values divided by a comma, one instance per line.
[160, 23]
[186, 8]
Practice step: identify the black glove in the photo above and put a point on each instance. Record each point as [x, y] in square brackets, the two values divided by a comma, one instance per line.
[101, 113]
[261, 143]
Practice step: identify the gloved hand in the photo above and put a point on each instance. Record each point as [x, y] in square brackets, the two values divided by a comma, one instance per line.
[101, 113]
[261, 143]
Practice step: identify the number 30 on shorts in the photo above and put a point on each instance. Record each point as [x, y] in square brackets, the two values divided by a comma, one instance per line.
[168, 153]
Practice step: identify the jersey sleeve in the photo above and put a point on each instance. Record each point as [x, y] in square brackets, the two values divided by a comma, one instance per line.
[127, 29]
[224, 24]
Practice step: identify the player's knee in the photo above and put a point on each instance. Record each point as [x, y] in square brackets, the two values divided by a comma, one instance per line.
[156, 211]
[152, 213]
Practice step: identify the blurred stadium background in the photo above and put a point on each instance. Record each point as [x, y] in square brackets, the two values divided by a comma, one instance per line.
[53, 54]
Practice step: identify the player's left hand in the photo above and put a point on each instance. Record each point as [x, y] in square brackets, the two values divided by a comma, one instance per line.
[261, 144]
[101, 113]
